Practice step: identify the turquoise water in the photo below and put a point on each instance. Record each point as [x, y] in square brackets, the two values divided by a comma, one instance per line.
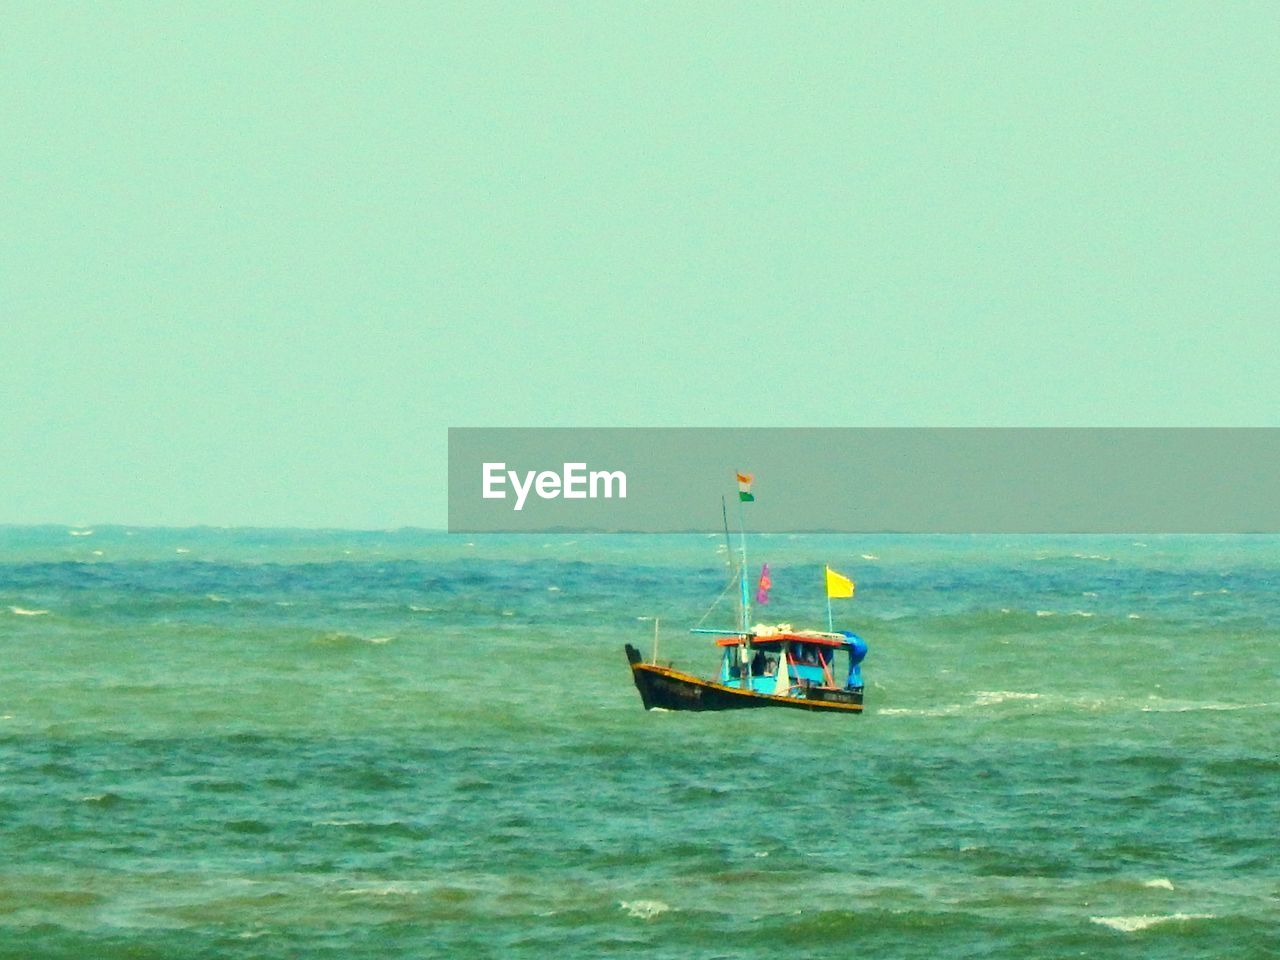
[243, 743]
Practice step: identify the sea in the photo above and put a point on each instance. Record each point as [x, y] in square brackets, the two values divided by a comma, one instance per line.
[252, 743]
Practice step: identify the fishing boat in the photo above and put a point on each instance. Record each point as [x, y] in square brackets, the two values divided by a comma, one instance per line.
[762, 665]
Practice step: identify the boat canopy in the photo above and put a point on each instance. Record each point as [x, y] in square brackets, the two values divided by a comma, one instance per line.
[769, 639]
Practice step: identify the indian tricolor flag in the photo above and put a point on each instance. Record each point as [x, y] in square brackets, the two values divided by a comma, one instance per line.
[744, 487]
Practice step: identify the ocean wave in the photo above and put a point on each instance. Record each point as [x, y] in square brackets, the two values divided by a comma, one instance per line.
[1142, 922]
[338, 639]
[24, 612]
[1051, 613]
[644, 909]
[107, 799]
[985, 698]
[393, 889]
[1159, 883]
[921, 711]
[981, 698]
[1189, 706]
[1041, 702]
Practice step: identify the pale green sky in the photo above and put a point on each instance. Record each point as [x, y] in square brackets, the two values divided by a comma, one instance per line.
[256, 258]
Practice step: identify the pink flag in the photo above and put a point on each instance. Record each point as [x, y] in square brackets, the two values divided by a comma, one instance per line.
[762, 588]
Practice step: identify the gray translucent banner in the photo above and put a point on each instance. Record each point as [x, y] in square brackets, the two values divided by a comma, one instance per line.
[868, 480]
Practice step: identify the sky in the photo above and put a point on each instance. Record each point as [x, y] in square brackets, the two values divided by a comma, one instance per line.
[255, 259]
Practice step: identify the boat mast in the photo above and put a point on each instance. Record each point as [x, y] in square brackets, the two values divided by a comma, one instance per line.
[745, 609]
[830, 627]
[742, 543]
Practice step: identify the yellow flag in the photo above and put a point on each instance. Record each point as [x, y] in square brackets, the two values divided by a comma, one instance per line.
[838, 586]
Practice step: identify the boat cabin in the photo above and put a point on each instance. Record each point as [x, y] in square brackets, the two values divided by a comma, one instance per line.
[785, 664]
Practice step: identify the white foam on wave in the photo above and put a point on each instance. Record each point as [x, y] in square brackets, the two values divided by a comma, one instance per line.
[1044, 613]
[1190, 706]
[1081, 613]
[1159, 883]
[981, 698]
[417, 609]
[1028, 700]
[81, 533]
[985, 698]
[644, 909]
[1136, 923]
[393, 889]
[869, 556]
[380, 639]
[24, 612]
[920, 711]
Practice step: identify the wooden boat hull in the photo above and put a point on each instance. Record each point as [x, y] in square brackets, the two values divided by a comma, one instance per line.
[668, 689]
